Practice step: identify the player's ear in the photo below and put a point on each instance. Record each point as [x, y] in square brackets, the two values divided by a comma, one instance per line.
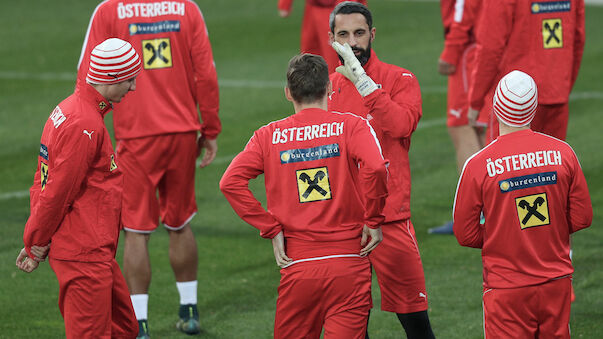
[288, 94]
[373, 31]
[329, 87]
[331, 38]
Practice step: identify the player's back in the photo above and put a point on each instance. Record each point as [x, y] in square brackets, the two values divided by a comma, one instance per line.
[542, 38]
[312, 177]
[527, 179]
[172, 39]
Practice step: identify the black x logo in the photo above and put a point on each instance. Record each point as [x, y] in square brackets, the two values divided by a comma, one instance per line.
[552, 31]
[156, 52]
[532, 210]
[313, 184]
[44, 173]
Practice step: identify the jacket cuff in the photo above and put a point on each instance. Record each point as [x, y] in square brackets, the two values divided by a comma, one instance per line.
[271, 232]
[209, 133]
[28, 250]
[451, 54]
[370, 99]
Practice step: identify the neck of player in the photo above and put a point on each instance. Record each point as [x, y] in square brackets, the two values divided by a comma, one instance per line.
[506, 129]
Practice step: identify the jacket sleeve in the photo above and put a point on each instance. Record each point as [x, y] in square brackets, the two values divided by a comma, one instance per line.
[467, 209]
[284, 5]
[234, 185]
[399, 111]
[580, 209]
[459, 34]
[366, 152]
[579, 39]
[494, 29]
[72, 154]
[98, 31]
[206, 79]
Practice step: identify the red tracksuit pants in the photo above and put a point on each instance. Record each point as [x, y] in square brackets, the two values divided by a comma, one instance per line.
[94, 300]
[330, 293]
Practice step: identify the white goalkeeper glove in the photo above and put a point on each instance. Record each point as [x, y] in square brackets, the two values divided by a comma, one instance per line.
[352, 69]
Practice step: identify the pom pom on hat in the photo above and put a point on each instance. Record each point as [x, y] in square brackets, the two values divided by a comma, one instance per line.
[516, 99]
[112, 61]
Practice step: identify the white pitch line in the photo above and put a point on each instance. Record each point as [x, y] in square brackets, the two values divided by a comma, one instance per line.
[587, 95]
[225, 159]
[243, 83]
[15, 195]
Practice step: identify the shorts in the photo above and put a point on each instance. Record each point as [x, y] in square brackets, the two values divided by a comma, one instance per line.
[549, 119]
[540, 311]
[458, 91]
[331, 293]
[94, 300]
[165, 164]
[397, 262]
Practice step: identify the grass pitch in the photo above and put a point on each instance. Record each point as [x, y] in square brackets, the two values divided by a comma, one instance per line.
[237, 273]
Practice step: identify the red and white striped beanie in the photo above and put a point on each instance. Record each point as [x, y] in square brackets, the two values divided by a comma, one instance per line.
[516, 99]
[112, 61]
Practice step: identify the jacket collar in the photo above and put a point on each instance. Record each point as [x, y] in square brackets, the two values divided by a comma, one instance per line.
[91, 95]
[372, 62]
[519, 133]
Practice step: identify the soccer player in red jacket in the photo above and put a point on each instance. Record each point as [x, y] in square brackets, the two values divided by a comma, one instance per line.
[159, 137]
[545, 38]
[389, 97]
[456, 61]
[315, 28]
[76, 200]
[316, 164]
[533, 194]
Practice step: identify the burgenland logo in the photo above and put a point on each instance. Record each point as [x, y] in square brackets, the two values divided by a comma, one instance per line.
[532, 180]
[44, 151]
[308, 154]
[550, 7]
[154, 27]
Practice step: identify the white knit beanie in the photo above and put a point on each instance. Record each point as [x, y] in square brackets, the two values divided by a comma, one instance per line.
[516, 99]
[112, 61]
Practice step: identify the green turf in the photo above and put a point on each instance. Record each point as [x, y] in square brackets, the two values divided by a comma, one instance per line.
[237, 273]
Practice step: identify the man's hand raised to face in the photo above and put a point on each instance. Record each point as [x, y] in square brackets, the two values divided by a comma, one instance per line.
[352, 69]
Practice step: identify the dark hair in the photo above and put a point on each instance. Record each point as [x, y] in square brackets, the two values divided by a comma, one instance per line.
[307, 78]
[350, 7]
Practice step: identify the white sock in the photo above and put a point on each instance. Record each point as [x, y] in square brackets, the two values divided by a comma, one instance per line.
[140, 302]
[188, 292]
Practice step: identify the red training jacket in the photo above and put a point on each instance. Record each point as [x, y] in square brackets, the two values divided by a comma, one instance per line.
[542, 38]
[393, 111]
[459, 18]
[315, 165]
[75, 199]
[179, 70]
[533, 194]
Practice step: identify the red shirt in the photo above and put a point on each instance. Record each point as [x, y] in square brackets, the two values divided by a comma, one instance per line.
[393, 111]
[315, 165]
[179, 70]
[534, 195]
[75, 199]
[542, 38]
[459, 18]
